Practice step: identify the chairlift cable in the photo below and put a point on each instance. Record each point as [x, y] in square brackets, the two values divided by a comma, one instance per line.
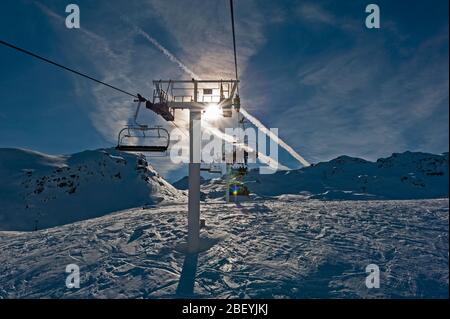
[75, 72]
[66, 68]
[234, 46]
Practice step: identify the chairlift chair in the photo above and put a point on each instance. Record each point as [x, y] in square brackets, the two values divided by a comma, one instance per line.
[215, 169]
[142, 138]
[211, 168]
[129, 135]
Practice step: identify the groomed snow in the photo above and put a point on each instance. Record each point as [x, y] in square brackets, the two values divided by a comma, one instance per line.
[284, 248]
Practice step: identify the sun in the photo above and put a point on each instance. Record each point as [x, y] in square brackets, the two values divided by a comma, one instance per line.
[212, 112]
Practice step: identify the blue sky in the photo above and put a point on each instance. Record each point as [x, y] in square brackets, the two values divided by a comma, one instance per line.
[310, 68]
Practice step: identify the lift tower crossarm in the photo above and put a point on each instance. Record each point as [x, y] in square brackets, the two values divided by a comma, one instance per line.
[166, 96]
[193, 80]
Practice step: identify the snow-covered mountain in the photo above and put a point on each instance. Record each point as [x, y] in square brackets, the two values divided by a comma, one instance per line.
[409, 175]
[39, 191]
[284, 247]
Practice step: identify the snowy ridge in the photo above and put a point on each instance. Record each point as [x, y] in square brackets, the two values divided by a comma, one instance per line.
[39, 191]
[409, 175]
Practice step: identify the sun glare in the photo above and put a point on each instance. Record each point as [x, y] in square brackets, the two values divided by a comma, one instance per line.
[212, 112]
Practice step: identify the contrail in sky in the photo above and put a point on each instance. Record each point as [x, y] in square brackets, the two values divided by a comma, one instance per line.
[167, 53]
[251, 118]
[271, 135]
[187, 70]
[50, 13]
[230, 139]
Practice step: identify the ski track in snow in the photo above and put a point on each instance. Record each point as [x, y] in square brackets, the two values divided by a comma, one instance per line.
[285, 248]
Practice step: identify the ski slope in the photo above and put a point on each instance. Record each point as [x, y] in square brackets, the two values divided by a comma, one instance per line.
[287, 247]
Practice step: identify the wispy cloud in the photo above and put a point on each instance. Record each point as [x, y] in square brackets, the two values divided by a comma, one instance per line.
[367, 108]
[126, 66]
[166, 52]
[355, 98]
[370, 95]
[202, 29]
[100, 42]
[314, 13]
[111, 112]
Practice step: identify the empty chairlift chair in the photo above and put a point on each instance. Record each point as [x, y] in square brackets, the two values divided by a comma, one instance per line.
[212, 168]
[142, 138]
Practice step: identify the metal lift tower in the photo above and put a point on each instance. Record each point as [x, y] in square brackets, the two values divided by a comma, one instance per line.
[195, 96]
